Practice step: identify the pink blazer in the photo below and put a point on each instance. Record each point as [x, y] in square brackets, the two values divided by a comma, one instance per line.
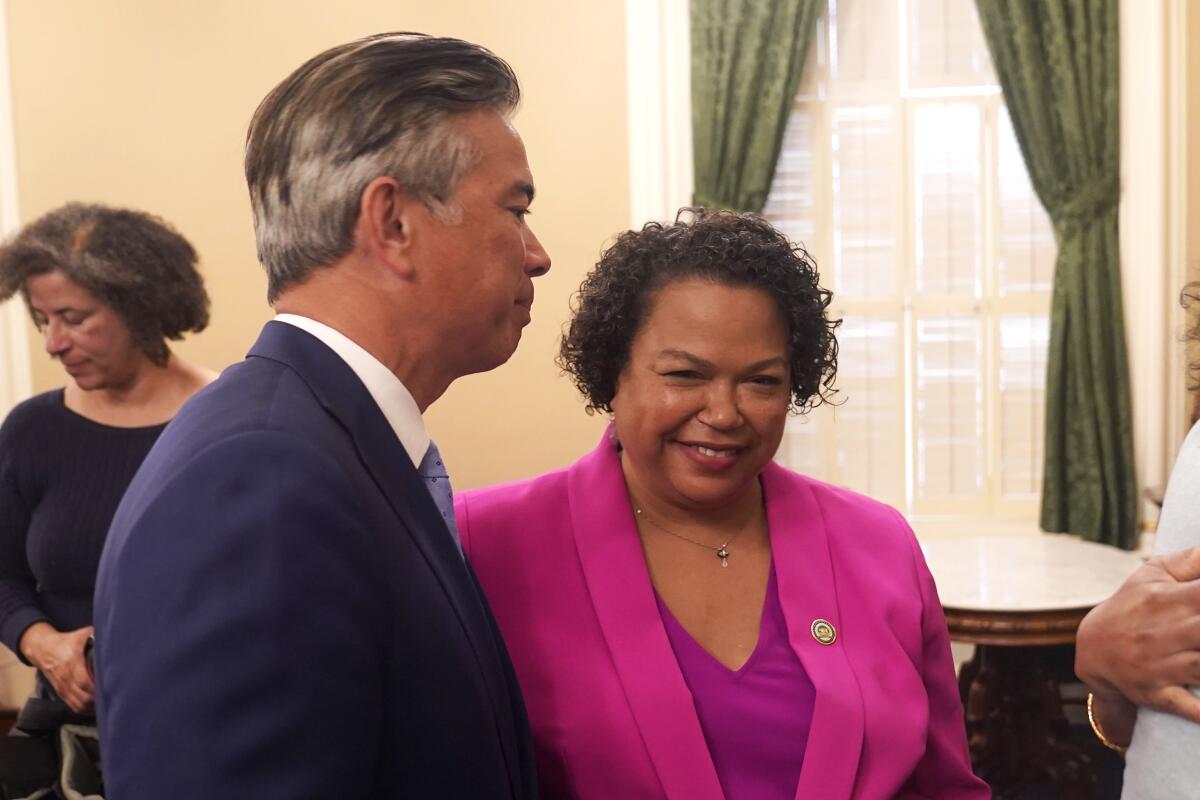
[560, 561]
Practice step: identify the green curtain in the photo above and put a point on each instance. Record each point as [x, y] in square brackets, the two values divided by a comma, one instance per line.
[1057, 64]
[747, 56]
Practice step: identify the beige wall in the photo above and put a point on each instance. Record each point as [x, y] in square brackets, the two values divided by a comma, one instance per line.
[145, 103]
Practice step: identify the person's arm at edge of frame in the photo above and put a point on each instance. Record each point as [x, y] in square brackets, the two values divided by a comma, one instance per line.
[1141, 647]
[24, 626]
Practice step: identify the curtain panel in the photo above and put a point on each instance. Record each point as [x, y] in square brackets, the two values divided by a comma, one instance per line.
[747, 56]
[1057, 65]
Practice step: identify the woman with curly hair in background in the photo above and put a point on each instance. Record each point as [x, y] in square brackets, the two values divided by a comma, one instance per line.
[107, 288]
[687, 618]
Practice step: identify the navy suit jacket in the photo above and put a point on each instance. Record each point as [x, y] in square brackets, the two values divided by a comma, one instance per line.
[281, 612]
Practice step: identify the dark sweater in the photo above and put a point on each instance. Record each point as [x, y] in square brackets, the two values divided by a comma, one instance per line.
[61, 478]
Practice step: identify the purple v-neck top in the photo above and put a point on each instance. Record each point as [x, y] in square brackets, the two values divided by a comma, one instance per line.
[755, 720]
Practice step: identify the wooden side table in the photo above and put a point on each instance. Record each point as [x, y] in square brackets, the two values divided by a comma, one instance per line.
[1019, 600]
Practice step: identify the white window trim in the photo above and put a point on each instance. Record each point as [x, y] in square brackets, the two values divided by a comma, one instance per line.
[1153, 217]
[1152, 211]
[16, 380]
[659, 85]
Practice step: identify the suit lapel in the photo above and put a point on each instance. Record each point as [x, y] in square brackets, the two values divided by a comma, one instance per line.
[619, 584]
[807, 592]
[343, 395]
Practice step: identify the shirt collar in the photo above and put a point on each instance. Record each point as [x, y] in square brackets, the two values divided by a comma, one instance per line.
[393, 399]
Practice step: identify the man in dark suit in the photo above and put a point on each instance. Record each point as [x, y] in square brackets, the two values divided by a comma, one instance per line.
[283, 609]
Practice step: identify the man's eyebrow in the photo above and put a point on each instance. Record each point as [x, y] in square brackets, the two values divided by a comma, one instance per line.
[523, 187]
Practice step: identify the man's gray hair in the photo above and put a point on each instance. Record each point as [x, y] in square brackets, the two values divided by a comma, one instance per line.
[379, 106]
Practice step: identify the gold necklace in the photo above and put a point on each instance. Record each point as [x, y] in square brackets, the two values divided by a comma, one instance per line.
[722, 550]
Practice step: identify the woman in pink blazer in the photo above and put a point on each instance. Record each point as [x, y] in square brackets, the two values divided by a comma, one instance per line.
[687, 619]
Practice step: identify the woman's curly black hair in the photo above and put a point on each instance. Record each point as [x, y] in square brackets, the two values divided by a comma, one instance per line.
[132, 261]
[721, 246]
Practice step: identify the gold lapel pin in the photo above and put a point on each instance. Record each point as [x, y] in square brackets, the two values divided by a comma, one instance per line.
[823, 631]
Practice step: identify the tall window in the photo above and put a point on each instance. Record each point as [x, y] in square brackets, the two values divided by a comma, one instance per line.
[901, 175]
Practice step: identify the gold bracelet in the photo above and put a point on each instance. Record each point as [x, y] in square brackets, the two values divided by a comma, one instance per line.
[1104, 740]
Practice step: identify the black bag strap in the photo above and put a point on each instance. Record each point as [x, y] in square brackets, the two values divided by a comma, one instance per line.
[43, 716]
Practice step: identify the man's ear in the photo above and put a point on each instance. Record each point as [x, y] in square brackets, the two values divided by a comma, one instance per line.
[388, 218]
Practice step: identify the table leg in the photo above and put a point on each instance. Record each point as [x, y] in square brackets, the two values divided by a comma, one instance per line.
[1015, 725]
[967, 674]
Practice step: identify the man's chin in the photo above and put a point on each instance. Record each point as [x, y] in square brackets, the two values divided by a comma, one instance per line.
[494, 357]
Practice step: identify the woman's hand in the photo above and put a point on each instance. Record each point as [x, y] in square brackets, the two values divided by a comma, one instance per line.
[59, 656]
[1141, 647]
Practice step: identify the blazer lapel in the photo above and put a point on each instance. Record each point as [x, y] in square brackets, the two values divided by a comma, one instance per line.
[619, 583]
[808, 592]
[343, 395]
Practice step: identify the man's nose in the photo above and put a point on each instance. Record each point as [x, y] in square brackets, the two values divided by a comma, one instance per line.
[537, 260]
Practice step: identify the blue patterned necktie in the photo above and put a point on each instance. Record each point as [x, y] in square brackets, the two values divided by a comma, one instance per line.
[437, 481]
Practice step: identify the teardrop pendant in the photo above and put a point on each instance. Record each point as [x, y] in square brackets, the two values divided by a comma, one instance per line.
[723, 554]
